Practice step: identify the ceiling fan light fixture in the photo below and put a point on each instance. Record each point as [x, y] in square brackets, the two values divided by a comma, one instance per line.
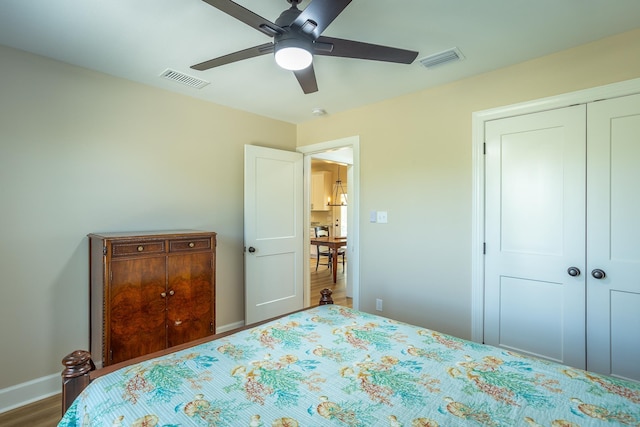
[293, 54]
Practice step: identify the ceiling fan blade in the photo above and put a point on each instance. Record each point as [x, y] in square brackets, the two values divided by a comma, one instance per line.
[317, 16]
[359, 50]
[246, 16]
[252, 52]
[307, 79]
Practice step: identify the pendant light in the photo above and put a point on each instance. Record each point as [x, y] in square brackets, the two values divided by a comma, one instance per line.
[338, 193]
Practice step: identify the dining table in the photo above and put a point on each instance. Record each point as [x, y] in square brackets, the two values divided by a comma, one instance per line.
[335, 243]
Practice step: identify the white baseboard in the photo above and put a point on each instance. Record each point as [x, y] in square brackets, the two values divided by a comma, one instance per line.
[230, 327]
[40, 388]
[22, 394]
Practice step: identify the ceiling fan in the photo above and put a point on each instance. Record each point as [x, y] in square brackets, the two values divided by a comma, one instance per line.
[297, 37]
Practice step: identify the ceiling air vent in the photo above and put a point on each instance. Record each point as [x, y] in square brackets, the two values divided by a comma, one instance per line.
[185, 79]
[442, 58]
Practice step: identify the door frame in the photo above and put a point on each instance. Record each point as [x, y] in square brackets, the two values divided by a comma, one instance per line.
[353, 214]
[478, 120]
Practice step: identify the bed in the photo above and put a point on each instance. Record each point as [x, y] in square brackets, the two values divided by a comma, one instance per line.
[335, 366]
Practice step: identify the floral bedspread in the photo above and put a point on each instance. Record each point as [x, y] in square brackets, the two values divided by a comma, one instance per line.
[333, 366]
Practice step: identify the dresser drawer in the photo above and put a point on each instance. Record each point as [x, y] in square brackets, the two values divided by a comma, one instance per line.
[194, 244]
[144, 247]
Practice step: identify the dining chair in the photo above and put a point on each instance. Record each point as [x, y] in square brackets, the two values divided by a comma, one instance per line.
[322, 231]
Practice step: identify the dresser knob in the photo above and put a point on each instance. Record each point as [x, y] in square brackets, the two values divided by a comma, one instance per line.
[140, 248]
[172, 292]
[178, 322]
[191, 244]
[163, 295]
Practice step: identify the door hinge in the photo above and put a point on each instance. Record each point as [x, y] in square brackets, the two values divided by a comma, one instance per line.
[104, 250]
[484, 248]
[110, 355]
[211, 326]
[484, 148]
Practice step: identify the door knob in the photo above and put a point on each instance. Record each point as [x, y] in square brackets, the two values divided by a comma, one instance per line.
[598, 274]
[573, 271]
[252, 249]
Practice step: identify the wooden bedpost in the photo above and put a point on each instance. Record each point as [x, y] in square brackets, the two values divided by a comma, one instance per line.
[75, 376]
[325, 297]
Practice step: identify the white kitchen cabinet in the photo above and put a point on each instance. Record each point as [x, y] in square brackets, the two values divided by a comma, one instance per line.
[321, 186]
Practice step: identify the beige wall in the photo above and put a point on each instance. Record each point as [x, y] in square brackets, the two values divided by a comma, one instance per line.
[415, 162]
[84, 152]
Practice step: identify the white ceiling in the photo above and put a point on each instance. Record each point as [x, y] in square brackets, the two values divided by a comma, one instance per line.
[139, 39]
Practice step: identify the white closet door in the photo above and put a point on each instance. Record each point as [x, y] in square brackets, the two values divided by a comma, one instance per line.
[535, 231]
[613, 220]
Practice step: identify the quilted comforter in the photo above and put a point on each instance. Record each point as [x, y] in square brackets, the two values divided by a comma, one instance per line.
[334, 366]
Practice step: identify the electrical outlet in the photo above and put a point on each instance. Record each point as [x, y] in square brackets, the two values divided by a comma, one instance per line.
[378, 304]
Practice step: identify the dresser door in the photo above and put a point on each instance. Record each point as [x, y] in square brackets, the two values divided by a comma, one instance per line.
[190, 297]
[137, 300]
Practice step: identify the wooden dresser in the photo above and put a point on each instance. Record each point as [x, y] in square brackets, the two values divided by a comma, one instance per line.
[149, 291]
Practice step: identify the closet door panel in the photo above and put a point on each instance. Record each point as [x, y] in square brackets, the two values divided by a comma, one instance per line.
[535, 201]
[613, 221]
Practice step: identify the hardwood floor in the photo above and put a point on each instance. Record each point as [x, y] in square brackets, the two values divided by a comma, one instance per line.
[324, 279]
[46, 412]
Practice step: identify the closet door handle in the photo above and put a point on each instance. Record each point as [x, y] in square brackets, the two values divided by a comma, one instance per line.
[573, 271]
[598, 274]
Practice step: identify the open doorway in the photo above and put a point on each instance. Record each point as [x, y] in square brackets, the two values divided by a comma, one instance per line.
[329, 220]
[331, 162]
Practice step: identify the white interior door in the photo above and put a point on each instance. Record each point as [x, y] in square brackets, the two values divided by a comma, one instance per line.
[613, 218]
[274, 229]
[535, 231]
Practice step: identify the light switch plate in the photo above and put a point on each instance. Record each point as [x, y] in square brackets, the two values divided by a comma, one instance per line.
[381, 217]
